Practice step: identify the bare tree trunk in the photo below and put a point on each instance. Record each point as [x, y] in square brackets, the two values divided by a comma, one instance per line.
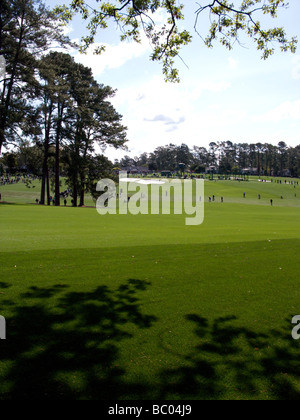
[48, 188]
[57, 154]
[57, 178]
[75, 192]
[42, 199]
[2, 138]
[81, 204]
[44, 178]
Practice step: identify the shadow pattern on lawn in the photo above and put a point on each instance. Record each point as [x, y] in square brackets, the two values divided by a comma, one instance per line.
[231, 360]
[70, 349]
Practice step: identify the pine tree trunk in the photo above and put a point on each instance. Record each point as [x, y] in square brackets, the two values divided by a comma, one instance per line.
[44, 178]
[42, 200]
[57, 180]
[2, 138]
[75, 192]
[57, 155]
[48, 188]
[81, 204]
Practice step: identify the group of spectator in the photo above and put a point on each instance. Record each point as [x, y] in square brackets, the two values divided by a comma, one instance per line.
[8, 180]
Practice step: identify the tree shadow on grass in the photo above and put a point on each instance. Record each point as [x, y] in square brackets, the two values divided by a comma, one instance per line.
[234, 362]
[4, 285]
[63, 344]
[69, 349]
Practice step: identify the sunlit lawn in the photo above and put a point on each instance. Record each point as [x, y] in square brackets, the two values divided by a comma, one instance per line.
[144, 307]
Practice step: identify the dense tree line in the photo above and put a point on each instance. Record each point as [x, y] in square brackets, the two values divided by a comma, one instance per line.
[223, 157]
[51, 108]
[56, 114]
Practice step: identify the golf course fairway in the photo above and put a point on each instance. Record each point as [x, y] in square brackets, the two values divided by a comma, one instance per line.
[146, 308]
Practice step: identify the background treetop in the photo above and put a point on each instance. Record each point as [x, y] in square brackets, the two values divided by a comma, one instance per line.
[228, 21]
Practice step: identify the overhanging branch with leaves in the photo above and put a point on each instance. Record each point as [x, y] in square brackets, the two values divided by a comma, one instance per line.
[227, 22]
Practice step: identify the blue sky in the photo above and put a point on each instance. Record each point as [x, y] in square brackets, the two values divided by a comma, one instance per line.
[222, 95]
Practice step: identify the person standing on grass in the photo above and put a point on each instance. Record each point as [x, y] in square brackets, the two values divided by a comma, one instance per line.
[271, 201]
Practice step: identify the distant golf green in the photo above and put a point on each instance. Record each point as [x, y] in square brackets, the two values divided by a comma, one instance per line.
[144, 307]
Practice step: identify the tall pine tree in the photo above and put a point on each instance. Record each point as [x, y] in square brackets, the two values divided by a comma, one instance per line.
[27, 30]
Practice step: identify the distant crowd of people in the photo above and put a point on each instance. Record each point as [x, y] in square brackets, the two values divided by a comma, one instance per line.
[295, 183]
[63, 195]
[10, 180]
[280, 181]
[213, 199]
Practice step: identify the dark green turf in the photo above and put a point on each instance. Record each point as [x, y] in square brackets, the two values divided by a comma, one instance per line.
[147, 308]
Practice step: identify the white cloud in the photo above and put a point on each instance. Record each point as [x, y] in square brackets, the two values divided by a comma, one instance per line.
[68, 29]
[166, 120]
[232, 63]
[158, 113]
[208, 86]
[114, 56]
[288, 110]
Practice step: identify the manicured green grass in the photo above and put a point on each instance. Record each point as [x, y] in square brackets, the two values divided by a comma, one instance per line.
[21, 194]
[144, 307]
